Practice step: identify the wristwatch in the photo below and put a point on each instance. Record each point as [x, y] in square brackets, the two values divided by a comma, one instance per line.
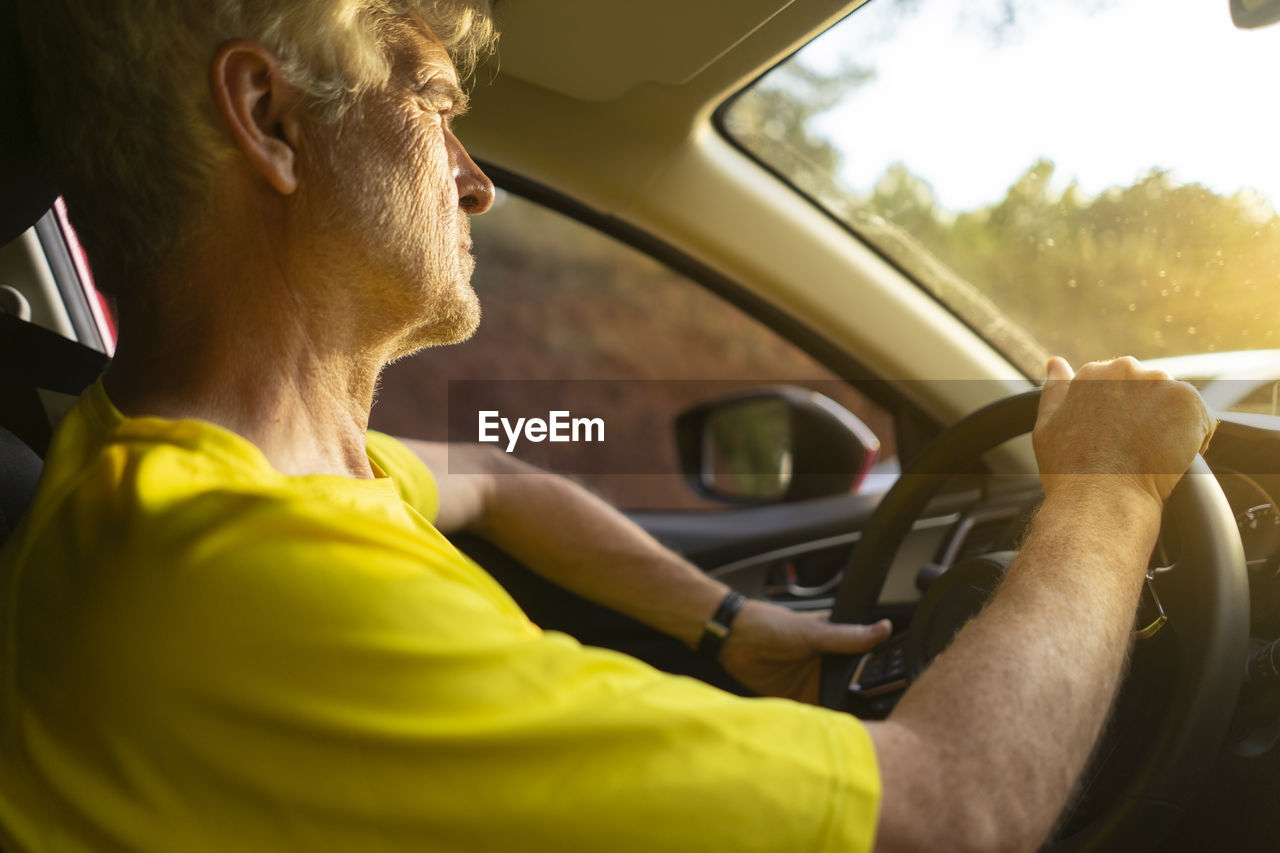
[717, 629]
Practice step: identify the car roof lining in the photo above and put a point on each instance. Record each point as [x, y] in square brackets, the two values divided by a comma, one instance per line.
[597, 51]
[593, 51]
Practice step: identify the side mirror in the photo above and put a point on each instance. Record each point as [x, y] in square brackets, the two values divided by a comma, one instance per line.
[774, 445]
[1251, 14]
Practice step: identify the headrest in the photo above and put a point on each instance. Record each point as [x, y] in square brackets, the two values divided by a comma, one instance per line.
[27, 186]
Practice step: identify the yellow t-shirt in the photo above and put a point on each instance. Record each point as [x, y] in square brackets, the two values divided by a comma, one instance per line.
[200, 653]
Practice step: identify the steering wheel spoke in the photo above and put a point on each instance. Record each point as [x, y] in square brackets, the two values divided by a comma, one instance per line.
[1151, 615]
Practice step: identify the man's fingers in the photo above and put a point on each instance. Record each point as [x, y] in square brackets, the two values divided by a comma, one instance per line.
[833, 638]
[1210, 429]
[1059, 369]
[1210, 421]
[1058, 376]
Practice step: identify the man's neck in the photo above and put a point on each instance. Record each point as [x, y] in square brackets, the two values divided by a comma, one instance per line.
[295, 386]
[270, 323]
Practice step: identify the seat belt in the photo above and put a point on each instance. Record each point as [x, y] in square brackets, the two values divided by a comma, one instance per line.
[34, 358]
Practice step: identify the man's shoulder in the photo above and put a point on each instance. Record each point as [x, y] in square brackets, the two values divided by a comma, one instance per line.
[148, 470]
[192, 520]
[179, 514]
[141, 489]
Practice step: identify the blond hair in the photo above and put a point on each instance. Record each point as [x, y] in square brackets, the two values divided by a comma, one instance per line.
[122, 93]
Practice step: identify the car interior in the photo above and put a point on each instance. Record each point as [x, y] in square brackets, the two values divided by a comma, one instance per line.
[618, 119]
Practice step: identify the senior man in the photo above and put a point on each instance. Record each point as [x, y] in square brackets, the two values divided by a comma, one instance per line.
[230, 623]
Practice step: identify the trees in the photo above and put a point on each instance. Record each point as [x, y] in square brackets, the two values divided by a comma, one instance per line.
[1156, 268]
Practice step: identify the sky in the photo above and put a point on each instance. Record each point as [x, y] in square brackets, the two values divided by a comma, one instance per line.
[1106, 89]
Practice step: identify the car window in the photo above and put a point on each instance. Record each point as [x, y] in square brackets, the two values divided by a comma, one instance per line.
[1099, 173]
[568, 309]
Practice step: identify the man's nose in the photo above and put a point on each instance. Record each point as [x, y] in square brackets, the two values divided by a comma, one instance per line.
[475, 190]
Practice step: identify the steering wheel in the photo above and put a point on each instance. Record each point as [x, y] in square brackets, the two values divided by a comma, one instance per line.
[1205, 594]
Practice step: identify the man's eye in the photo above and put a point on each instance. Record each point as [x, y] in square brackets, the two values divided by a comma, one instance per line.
[445, 113]
[432, 103]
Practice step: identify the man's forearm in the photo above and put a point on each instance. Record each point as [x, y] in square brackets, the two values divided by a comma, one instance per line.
[1009, 714]
[578, 541]
[585, 545]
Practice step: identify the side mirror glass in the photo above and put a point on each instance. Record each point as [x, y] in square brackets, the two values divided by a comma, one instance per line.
[746, 449]
[772, 445]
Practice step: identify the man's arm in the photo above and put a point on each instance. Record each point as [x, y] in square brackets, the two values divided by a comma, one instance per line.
[573, 538]
[982, 752]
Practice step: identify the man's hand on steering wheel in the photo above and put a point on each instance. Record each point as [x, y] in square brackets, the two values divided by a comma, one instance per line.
[1104, 421]
[1089, 424]
[778, 652]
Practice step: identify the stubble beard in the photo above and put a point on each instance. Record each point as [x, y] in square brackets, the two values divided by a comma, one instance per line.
[449, 309]
[414, 298]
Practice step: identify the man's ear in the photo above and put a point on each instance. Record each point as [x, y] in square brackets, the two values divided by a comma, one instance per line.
[259, 107]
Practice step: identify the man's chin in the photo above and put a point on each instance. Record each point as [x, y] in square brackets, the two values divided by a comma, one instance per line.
[460, 330]
[451, 324]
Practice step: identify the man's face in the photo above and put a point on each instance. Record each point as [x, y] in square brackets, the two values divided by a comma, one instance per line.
[398, 188]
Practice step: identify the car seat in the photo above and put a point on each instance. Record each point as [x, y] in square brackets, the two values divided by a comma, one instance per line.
[31, 358]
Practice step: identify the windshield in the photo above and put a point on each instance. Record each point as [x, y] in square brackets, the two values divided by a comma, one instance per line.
[1087, 177]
